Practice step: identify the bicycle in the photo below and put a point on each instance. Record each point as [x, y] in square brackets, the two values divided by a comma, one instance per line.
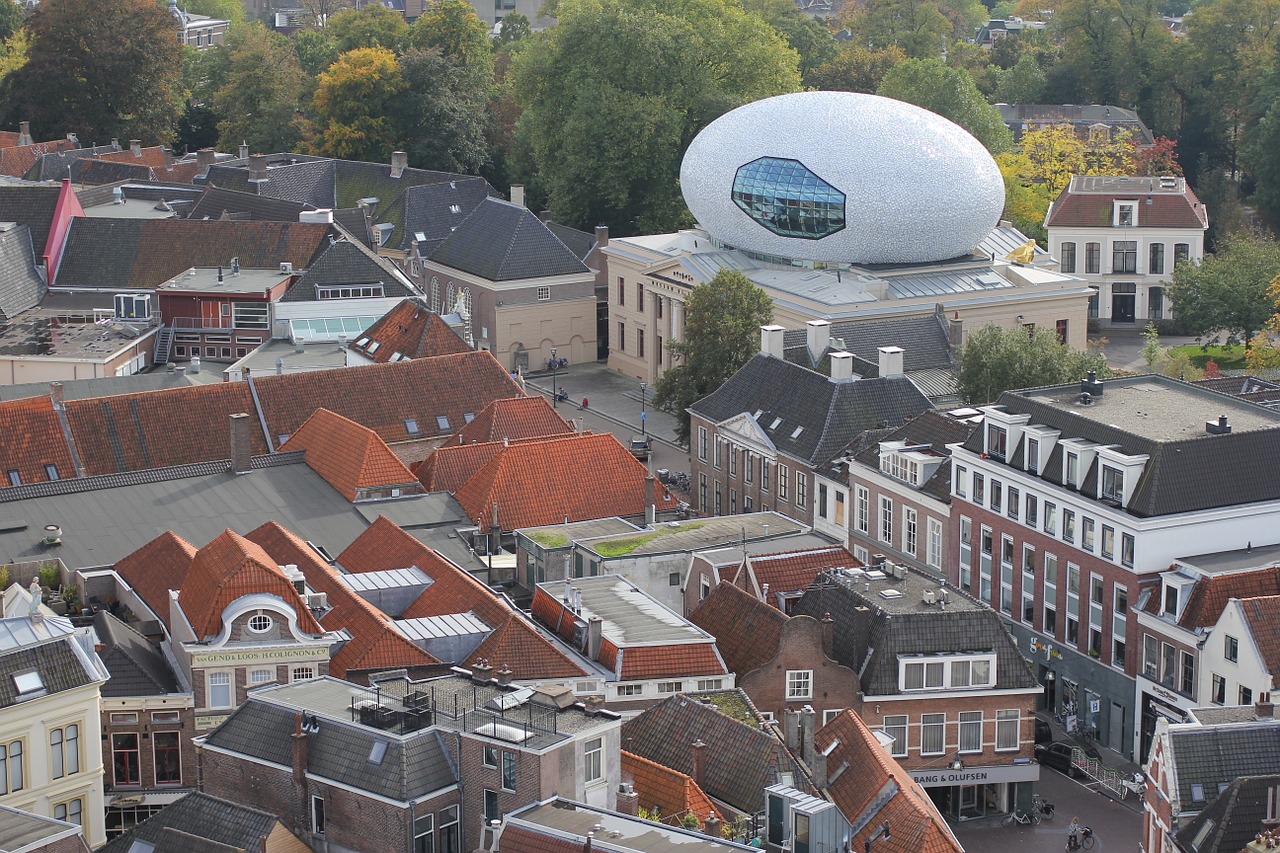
[1042, 807]
[1022, 818]
[1085, 842]
[1138, 785]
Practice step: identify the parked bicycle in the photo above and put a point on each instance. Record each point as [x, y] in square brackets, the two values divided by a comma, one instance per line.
[1042, 807]
[1137, 784]
[1023, 818]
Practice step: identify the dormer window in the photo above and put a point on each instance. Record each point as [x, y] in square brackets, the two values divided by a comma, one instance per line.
[1126, 214]
[997, 439]
[1112, 484]
[1071, 476]
[1033, 456]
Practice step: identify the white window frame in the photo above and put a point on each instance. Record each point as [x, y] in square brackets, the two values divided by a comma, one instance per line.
[900, 747]
[214, 684]
[933, 550]
[799, 684]
[862, 509]
[967, 727]
[910, 530]
[1006, 719]
[593, 761]
[886, 520]
[928, 723]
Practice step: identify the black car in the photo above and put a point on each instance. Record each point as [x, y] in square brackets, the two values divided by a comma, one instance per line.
[1058, 756]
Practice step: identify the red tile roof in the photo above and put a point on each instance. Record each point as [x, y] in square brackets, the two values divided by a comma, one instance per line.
[917, 827]
[518, 417]
[375, 643]
[350, 457]
[1262, 614]
[449, 466]
[789, 571]
[33, 438]
[156, 568]
[573, 478]
[227, 568]
[412, 330]
[155, 156]
[747, 630]
[9, 138]
[550, 612]
[1095, 210]
[1209, 595]
[156, 429]
[517, 645]
[671, 793]
[678, 660]
[18, 160]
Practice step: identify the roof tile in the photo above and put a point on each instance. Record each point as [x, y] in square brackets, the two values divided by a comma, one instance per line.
[637, 663]
[517, 645]
[513, 418]
[411, 330]
[1210, 594]
[747, 630]
[156, 568]
[669, 792]
[33, 438]
[350, 457]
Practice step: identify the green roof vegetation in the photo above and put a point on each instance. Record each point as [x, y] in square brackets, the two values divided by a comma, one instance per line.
[731, 704]
[548, 538]
[627, 544]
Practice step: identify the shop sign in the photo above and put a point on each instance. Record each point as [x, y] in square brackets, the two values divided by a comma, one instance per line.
[977, 775]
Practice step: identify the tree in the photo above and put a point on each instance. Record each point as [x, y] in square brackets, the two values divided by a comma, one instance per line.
[1160, 159]
[856, 68]
[1021, 84]
[442, 112]
[614, 94]
[951, 93]
[223, 10]
[1151, 349]
[1228, 291]
[919, 27]
[809, 37]
[374, 25]
[452, 26]
[316, 13]
[261, 91]
[995, 360]
[14, 52]
[513, 27]
[102, 70]
[10, 19]
[354, 103]
[316, 50]
[721, 332]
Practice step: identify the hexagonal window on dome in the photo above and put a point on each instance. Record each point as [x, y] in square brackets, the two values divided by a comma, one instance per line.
[788, 199]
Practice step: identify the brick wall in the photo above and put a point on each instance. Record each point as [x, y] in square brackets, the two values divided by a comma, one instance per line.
[72, 844]
[873, 713]
[734, 482]
[146, 730]
[835, 687]
[479, 777]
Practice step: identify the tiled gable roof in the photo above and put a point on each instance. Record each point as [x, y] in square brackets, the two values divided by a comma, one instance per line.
[155, 156]
[636, 663]
[350, 457]
[56, 165]
[156, 568]
[518, 646]
[16, 161]
[740, 760]
[33, 438]
[1262, 615]
[923, 339]
[1209, 595]
[449, 466]
[669, 792]
[354, 180]
[545, 482]
[109, 253]
[348, 262]
[1209, 756]
[384, 396]
[1233, 819]
[1095, 210]
[917, 827]
[205, 817]
[816, 418]
[747, 630]
[789, 571]
[156, 429]
[579, 242]
[98, 172]
[137, 667]
[411, 329]
[33, 206]
[375, 644]
[227, 568]
[21, 286]
[215, 201]
[433, 211]
[517, 417]
[501, 241]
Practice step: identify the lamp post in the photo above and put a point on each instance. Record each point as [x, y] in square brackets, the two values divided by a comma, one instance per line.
[643, 415]
[555, 399]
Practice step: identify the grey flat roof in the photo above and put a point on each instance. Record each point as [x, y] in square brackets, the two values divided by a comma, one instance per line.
[631, 617]
[1158, 410]
[437, 509]
[732, 554]
[314, 356]
[1217, 562]
[572, 821]
[205, 280]
[703, 533]
[21, 830]
[880, 592]
[592, 529]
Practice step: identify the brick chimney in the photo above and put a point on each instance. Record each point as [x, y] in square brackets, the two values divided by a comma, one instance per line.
[505, 675]
[807, 720]
[1264, 708]
[791, 728]
[135, 147]
[712, 825]
[205, 158]
[399, 162]
[544, 215]
[241, 447]
[481, 670]
[24, 133]
[299, 753]
[628, 799]
[258, 168]
[699, 761]
[58, 394]
[602, 236]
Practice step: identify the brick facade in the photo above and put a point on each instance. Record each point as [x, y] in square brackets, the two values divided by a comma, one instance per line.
[802, 648]
[746, 480]
[153, 737]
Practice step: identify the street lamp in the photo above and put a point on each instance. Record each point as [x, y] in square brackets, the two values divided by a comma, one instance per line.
[554, 373]
[643, 415]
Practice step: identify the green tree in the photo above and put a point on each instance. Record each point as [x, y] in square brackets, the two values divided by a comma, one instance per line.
[809, 37]
[442, 112]
[951, 93]
[10, 19]
[102, 69]
[856, 68]
[1228, 291]
[316, 50]
[374, 25]
[14, 52]
[513, 27]
[721, 332]
[1021, 84]
[919, 27]
[1152, 352]
[995, 360]
[354, 105]
[261, 91]
[223, 10]
[452, 26]
[614, 94]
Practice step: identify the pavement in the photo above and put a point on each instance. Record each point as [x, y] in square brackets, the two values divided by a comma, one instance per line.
[1124, 347]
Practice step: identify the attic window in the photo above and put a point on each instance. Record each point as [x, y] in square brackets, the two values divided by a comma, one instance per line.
[420, 236]
[282, 437]
[1197, 792]
[27, 682]
[373, 347]
[799, 430]
[775, 423]
[377, 752]
[411, 425]
[362, 342]
[140, 846]
[396, 356]
[442, 421]
[15, 479]
[468, 417]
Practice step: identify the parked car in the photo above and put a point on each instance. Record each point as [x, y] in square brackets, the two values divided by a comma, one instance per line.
[1044, 734]
[1058, 756]
[640, 447]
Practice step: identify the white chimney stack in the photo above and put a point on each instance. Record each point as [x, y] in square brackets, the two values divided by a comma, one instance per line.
[771, 340]
[890, 361]
[841, 367]
[517, 194]
[819, 338]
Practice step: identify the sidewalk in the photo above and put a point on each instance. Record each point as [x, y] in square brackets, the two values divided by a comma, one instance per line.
[1109, 757]
[611, 395]
[1124, 347]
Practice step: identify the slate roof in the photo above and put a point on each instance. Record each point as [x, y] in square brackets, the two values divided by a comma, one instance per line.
[33, 206]
[411, 329]
[1184, 474]
[1231, 821]
[923, 339]
[671, 793]
[576, 477]
[432, 211]
[747, 630]
[1262, 615]
[1212, 756]
[355, 221]
[205, 817]
[56, 165]
[33, 438]
[20, 284]
[870, 640]
[59, 668]
[740, 759]
[350, 457]
[935, 429]
[917, 827]
[1210, 594]
[501, 241]
[579, 242]
[1090, 204]
[513, 418]
[412, 767]
[144, 253]
[22, 831]
[348, 262]
[817, 418]
[215, 202]
[137, 667]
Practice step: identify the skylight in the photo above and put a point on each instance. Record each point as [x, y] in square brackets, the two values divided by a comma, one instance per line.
[469, 417]
[27, 682]
[455, 208]
[799, 430]
[442, 421]
[373, 347]
[1197, 792]
[377, 752]
[411, 425]
[775, 423]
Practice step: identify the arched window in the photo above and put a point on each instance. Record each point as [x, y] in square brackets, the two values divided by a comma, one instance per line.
[435, 294]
